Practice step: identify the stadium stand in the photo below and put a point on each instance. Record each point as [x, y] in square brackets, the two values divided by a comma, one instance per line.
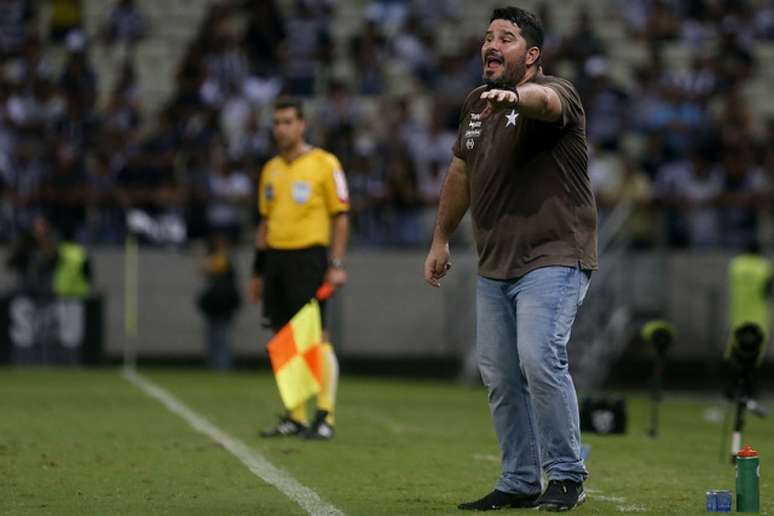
[163, 105]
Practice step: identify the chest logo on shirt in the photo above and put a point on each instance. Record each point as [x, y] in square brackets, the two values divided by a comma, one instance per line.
[474, 128]
[268, 192]
[301, 191]
[512, 116]
[470, 143]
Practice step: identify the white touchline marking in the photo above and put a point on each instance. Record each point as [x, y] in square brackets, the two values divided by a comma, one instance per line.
[255, 462]
[631, 508]
[616, 499]
[597, 494]
[489, 457]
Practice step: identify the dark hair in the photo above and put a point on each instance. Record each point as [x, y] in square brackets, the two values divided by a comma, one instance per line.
[290, 103]
[530, 25]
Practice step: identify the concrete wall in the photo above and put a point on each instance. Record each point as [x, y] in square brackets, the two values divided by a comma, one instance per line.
[386, 310]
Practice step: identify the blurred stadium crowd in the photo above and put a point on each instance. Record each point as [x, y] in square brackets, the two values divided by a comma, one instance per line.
[676, 139]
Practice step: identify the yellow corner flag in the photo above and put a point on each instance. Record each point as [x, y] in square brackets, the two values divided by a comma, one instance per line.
[296, 354]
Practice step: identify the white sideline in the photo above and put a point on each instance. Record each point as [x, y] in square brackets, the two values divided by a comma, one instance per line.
[255, 462]
[596, 494]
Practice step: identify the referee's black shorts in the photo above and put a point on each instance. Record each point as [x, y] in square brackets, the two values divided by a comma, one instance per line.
[291, 278]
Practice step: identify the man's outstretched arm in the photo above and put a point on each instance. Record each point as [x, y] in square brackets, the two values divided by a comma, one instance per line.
[531, 100]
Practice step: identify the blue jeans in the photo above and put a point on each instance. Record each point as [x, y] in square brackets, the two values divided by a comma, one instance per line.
[523, 327]
[218, 343]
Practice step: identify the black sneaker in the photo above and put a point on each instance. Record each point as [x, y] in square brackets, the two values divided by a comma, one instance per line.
[562, 495]
[286, 427]
[500, 500]
[320, 429]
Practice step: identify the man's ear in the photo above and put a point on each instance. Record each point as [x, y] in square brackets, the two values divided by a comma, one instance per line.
[533, 55]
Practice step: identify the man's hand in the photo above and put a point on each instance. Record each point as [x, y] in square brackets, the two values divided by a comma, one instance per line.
[437, 264]
[336, 276]
[497, 100]
[255, 290]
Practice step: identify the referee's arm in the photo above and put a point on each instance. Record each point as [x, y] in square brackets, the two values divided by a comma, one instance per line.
[337, 276]
[260, 235]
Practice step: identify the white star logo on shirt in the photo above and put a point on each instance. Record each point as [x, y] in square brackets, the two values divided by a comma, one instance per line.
[511, 118]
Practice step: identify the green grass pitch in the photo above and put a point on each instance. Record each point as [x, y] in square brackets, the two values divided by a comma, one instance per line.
[82, 442]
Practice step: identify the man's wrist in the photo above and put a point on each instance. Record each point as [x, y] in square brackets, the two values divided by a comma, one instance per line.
[515, 91]
[336, 263]
[439, 242]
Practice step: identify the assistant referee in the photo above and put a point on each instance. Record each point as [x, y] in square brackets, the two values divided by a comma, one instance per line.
[300, 243]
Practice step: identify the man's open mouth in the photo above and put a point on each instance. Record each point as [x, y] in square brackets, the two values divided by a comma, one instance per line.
[494, 61]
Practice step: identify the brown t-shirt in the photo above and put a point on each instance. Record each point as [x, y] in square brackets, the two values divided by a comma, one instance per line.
[530, 194]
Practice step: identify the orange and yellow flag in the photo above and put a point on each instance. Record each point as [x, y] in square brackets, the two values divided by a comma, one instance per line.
[295, 354]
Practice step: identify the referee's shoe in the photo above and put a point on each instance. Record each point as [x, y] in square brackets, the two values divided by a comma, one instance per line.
[286, 427]
[320, 429]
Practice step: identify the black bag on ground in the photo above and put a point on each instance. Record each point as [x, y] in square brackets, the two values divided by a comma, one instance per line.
[603, 415]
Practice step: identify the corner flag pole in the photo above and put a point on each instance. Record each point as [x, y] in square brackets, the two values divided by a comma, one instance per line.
[131, 288]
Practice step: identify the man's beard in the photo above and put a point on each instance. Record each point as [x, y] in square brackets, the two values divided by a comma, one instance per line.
[508, 79]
